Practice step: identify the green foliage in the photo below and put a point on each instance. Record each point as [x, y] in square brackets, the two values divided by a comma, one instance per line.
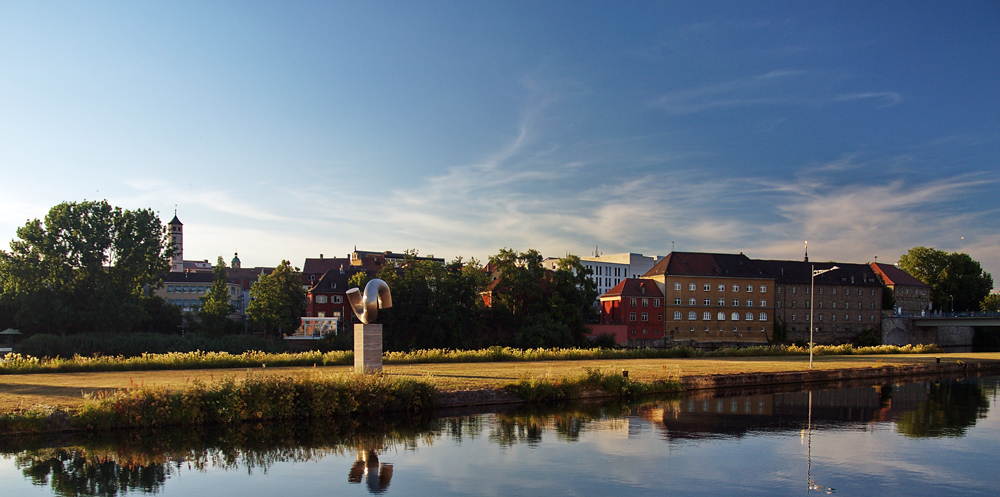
[84, 268]
[546, 391]
[137, 344]
[217, 304]
[542, 331]
[358, 280]
[957, 281]
[256, 398]
[868, 338]
[991, 303]
[433, 305]
[277, 301]
[888, 298]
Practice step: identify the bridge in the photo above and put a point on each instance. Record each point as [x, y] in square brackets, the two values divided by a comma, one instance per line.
[947, 329]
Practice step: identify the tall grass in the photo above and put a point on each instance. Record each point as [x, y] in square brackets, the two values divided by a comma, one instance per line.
[544, 390]
[254, 398]
[22, 364]
[136, 344]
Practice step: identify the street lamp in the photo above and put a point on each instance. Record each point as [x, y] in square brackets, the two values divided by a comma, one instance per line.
[812, 307]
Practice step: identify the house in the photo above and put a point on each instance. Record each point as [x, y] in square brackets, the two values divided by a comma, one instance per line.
[633, 312]
[912, 296]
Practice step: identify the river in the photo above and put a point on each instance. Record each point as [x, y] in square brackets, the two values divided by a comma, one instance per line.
[935, 437]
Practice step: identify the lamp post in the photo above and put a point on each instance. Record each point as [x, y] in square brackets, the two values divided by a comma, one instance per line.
[812, 307]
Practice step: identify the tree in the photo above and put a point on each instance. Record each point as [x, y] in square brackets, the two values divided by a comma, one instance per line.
[217, 304]
[84, 268]
[277, 301]
[358, 280]
[573, 295]
[957, 281]
[991, 303]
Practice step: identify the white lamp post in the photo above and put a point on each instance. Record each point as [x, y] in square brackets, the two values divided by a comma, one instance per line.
[812, 307]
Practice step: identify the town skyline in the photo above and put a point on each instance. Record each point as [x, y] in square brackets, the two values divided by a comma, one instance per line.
[287, 132]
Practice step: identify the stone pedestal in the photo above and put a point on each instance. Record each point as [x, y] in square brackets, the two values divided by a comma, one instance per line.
[367, 348]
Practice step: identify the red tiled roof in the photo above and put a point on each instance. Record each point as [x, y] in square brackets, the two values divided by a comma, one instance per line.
[895, 276]
[633, 287]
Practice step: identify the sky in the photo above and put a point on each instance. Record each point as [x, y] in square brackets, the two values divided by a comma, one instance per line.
[285, 130]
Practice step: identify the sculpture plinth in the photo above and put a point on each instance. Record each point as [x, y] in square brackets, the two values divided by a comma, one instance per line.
[367, 348]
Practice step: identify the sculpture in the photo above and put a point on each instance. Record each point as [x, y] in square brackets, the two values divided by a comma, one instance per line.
[376, 296]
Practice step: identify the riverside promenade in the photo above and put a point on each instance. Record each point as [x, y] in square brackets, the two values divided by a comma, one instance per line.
[478, 383]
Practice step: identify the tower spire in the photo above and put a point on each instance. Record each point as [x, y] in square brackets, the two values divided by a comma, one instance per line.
[807, 251]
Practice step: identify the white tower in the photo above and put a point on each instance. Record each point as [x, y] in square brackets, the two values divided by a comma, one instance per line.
[177, 238]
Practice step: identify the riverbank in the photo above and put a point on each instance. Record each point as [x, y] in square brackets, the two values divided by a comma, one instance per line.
[482, 383]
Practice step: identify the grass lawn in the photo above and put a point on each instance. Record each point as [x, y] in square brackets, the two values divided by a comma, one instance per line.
[68, 389]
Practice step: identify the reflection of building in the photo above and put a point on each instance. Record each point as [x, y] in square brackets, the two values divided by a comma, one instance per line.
[912, 296]
[700, 417]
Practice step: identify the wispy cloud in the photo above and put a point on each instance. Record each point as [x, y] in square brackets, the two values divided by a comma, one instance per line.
[778, 87]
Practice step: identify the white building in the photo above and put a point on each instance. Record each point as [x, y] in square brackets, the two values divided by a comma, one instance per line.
[609, 270]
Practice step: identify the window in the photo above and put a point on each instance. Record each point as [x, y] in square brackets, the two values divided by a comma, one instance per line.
[722, 302]
[645, 332]
[859, 318]
[201, 289]
[708, 287]
[631, 316]
[749, 303]
[721, 316]
[749, 316]
[691, 301]
[677, 314]
[736, 302]
[795, 302]
[321, 299]
[847, 317]
[722, 287]
[735, 316]
[691, 286]
[706, 302]
[793, 317]
[170, 288]
[706, 316]
[749, 288]
[631, 302]
[821, 290]
[677, 301]
[645, 317]
[186, 289]
[677, 286]
[645, 302]
[834, 291]
[336, 299]
[779, 289]
[763, 288]
[763, 316]
[656, 302]
[820, 317]
[820, 304]
[872, 318]
[736, 288]
[763, 303]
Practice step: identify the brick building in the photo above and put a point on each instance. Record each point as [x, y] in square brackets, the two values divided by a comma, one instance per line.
[912, 296]
[634, 311]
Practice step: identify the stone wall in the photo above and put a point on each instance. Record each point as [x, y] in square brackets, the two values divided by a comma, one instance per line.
[901, 331]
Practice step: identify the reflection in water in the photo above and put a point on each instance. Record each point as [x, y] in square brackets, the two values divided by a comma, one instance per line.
[143, 461]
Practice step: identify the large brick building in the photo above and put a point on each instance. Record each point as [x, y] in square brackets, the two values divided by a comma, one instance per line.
[633, 312]
[728, 299]
[912, 296]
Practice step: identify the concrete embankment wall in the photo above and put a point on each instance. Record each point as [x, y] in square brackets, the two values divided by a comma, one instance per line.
[757, 379]
[901, 331]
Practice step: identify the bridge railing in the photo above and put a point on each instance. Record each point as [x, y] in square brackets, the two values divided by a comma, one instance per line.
[938, 314]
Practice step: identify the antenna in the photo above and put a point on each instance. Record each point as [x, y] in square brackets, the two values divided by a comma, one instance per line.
[671, 245]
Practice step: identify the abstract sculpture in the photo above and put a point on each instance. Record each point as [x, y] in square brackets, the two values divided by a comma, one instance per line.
[376, 296]
[368, 336]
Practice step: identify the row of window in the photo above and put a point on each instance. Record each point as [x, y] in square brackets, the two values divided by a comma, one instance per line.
[632, 301]
[645, 316]
[693, 287]
[321, 299]
[186, 288]
[833, 291]
[607, 271]
[833, 317]
[833, 305]
[707, 316]
[721, 302]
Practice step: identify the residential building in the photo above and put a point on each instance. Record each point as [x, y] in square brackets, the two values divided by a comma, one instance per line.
[633, 312]
[911, 295]
[714, 298]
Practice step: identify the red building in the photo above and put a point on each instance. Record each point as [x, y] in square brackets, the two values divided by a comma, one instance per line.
[633, 312]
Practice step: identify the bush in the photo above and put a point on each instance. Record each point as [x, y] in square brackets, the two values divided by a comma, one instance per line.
[867, 338]
[137, 344]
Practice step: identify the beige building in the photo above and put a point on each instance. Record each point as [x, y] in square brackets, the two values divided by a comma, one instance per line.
[912, 296]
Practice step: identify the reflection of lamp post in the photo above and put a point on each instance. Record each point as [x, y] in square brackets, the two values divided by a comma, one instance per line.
[812, 312]
[952, 304]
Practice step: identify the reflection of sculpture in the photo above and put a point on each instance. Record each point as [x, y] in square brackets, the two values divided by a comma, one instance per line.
[377, 477]
[376, 296]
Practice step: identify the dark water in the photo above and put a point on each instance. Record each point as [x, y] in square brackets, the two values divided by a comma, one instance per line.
[938, 437]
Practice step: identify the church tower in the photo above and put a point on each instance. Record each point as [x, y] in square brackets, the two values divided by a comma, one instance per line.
[177, 239]
[235, 264]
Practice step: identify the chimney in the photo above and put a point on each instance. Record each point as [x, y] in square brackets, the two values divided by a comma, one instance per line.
[321, 256]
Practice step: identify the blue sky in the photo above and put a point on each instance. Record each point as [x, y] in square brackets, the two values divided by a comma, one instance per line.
[285, 130]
